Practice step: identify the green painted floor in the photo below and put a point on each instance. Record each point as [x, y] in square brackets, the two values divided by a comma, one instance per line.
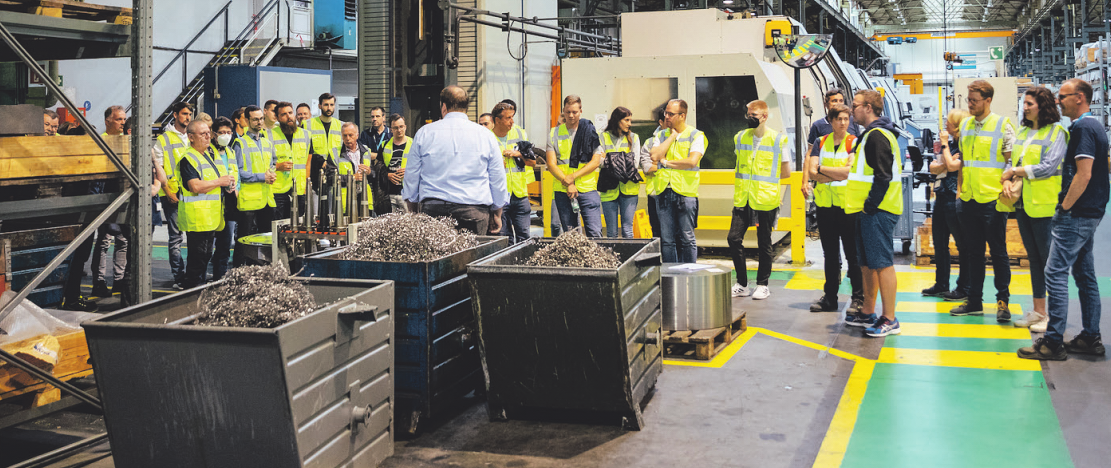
[938, 416]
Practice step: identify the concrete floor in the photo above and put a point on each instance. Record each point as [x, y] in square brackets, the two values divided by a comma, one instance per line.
[769, 406]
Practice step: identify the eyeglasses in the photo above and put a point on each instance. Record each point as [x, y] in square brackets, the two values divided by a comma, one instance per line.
[970, 100]
[669, 114]
[1062, 96]
[201, 133]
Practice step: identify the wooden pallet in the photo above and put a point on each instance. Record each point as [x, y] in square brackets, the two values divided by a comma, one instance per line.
[73, 363]
[703, 345]
[925, 253]
[70, 9]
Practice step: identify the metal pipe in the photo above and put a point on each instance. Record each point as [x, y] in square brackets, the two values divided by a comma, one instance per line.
[310, 205]
[49, 458]
[66, 252]
[364, 202]
[533, 21]
[540, 34]
[337, 202]
[48, 377]
[57, 90]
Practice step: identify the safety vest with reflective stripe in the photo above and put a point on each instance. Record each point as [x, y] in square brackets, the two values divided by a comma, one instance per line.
[1039, 196]
[258, 158]
[683, 181]
[323, 141]
[651, 183]
[756, 181]
[387, 152]
[225, 160]
[622, 145]
[173, 149]
[830, 194]
[586, 183]
[861, 177]
[201, 212]
[297, 151]
[516, 178]
[983, 162]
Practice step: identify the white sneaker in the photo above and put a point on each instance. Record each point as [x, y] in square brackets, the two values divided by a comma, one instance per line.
[1040, 326]
[761, 293]
[741, 291]
[1029, 319]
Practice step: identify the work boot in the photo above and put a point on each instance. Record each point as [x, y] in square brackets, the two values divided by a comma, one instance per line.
[1086, 344]
[100, 289]
[1002, 312]
[121, 288]
[1044, 350]
[80, 304]
[825, 304]
[935, 291]
[954, 296]
[967, 309]
[855, 306]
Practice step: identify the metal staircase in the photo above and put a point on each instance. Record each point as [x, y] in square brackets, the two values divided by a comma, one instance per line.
[256, 45]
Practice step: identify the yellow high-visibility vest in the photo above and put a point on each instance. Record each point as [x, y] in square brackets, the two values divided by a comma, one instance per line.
[982, 159]
[201, 212]
[830, 194]
[756, 179]
[861, 177]
[1039, 196]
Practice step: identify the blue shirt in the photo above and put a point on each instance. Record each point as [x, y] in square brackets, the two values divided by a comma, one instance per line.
[457, 161]
[1087, 139]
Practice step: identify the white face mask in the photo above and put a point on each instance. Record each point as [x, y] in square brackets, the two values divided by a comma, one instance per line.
[223, 140]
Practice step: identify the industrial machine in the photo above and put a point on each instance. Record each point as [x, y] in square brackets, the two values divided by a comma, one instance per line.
[331, 217]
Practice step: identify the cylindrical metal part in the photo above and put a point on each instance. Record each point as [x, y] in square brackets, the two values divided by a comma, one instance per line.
[293, 209]
[310, 207]
[695, 299]
[353, 197]
[337, 202]
[364, 204]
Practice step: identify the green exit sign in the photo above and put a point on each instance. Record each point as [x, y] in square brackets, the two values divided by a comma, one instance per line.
[995, 53]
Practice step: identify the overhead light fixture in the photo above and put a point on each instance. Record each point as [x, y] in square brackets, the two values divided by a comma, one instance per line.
[727, 2]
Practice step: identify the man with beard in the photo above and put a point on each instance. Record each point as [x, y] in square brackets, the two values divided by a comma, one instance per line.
[291, 153]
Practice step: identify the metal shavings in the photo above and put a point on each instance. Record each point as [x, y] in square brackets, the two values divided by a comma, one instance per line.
[575, 250]
[408, 237]
[255, 297]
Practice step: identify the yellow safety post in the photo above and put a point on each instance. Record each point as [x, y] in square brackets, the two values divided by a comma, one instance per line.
[546, 194]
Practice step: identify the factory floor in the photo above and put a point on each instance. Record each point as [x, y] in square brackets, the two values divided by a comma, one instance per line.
[797, 390]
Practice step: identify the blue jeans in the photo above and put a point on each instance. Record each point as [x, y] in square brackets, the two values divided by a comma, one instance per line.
[177, 265]
[1071, 248]
[677, 219]
[590, 207]
[626, 207]
[515, 219]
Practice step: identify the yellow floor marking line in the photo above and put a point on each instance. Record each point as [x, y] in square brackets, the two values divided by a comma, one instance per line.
[810, 280]
[945, 307]
[726, 354]
[723, 357]
[962, 330]
[950, 358]
[836, 442]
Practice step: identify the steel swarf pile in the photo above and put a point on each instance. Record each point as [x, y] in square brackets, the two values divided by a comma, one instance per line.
[573, 249]
[408, 237]
[255, 297]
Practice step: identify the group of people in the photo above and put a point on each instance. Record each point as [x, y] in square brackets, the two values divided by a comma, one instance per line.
[1053, 179]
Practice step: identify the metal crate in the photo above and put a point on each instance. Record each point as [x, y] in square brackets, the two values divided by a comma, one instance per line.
[316, 392]
[437, 358]
[562, 342]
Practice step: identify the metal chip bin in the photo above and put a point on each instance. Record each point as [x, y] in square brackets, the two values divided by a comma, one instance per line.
[314, 392]
[569, 341]
[437, 358]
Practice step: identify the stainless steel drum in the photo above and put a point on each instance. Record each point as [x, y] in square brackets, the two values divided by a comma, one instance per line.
[695, 299]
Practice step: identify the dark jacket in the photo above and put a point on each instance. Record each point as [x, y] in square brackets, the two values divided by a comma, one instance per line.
[582, 147]
[618, 167]
[879, 154]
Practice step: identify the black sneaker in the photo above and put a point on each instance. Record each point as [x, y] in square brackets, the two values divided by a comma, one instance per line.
[855, 306]
[1086, 344]
[1002, 312]
[954, 296]
[1044, 350]
[967, 309]
[81, 304]
[825, 304]
[935, 291]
